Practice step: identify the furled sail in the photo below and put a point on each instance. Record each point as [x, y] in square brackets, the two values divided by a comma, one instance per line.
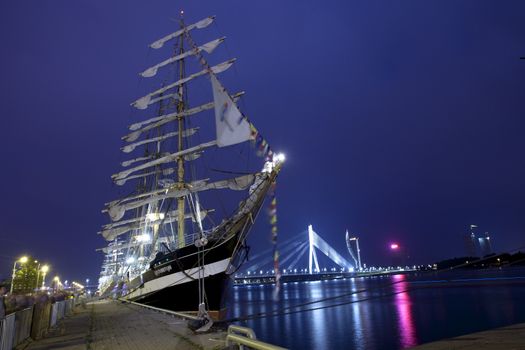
[165, 159]
[164, 172]
[116, 210]
[209, 47]
[165, 97]
[231, 126]
[113, 232]
[166, 118]
[145, 101]
[112, 249]
[153, 218]
[139, 159]
[203, 23]
[132, 146]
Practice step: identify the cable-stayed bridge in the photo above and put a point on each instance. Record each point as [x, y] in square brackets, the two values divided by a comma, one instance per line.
[306, 255]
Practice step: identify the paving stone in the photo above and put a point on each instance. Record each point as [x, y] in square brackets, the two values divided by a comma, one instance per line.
[110, 325]
[506, 338]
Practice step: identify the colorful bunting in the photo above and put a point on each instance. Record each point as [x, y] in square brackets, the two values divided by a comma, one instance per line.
[262, 146]
[272, 212]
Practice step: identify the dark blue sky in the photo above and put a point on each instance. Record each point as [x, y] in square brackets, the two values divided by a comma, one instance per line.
[401, 120]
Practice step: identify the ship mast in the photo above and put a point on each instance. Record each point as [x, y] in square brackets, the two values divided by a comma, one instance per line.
[180, 160]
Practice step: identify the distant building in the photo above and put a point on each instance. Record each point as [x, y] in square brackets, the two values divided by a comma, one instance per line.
[471, 242]
[477, 246]
[471, 245]
[25, 278]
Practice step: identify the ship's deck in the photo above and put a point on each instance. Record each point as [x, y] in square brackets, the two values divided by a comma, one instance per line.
[114, 325]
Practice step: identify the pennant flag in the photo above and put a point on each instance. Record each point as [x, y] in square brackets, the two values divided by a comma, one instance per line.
[253, 132]
[231, 126]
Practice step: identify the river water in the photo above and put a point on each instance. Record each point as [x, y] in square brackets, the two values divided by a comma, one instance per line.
[388, 312]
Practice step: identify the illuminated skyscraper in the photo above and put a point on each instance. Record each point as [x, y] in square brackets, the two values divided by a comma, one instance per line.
[485, 245]
[471, 242]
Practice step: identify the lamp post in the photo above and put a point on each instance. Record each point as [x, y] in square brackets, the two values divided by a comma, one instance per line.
[45, 269]
[22, 260]
[37, 275]
[57, 283]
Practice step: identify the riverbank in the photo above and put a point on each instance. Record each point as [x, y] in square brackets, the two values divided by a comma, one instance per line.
[505, 338]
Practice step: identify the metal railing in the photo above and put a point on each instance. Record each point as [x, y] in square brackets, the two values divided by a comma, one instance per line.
[31, 322]
[23, 321]
[7, 331]
[243, 336]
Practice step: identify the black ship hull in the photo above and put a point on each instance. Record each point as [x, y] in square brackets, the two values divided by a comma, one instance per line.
[172, 282]
[185, 297]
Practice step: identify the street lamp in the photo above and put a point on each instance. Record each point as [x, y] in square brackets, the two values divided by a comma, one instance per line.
[22, 260]
[44, 269]
[57, 283]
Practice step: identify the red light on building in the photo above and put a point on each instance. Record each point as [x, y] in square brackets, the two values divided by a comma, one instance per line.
[394, 246]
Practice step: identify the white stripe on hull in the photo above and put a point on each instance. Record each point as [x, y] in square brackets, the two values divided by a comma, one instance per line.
[177, 278]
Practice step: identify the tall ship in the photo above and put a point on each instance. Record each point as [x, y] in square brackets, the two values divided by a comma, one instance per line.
[196, 172]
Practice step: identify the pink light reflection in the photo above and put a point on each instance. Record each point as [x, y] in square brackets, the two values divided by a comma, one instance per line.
[405, 321]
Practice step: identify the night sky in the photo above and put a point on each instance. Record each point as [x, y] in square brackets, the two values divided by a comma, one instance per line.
[401, 120]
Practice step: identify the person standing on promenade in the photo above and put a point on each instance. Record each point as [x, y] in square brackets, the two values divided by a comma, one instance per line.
[2, 305]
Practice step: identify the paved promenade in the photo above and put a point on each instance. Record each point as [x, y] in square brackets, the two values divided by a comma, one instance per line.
[116, 326]
[506, 338]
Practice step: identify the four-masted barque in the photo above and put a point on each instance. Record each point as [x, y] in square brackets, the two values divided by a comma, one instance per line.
[168, 247]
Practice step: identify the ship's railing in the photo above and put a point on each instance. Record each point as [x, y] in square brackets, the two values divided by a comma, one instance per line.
[244, 336]
[34, 321]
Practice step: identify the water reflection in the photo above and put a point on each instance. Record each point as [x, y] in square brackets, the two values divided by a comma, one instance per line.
[407, 329]
[383, 317]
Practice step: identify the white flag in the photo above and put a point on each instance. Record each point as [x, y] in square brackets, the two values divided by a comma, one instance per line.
[231, 126]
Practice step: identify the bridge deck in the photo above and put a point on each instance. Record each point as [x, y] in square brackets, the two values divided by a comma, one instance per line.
[113, 325]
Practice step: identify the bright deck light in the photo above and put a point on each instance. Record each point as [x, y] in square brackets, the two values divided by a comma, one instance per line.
[23, 259]
[154, 216]
[143, 238]
[280, 157]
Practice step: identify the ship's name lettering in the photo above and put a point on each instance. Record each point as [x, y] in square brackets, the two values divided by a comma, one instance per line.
[163, 270]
